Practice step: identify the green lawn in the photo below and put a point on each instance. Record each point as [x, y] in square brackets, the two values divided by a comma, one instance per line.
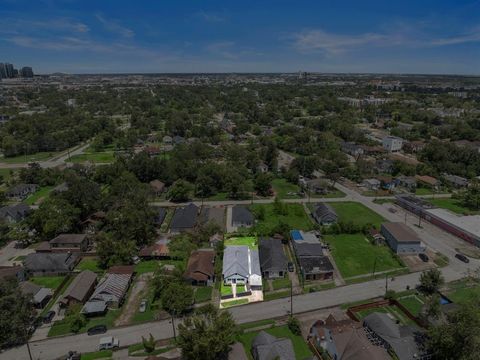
[282, 188]
[21, 159]
[453, 205]
[413, 303]
[225, 289]
[51, 282]
[281, 283]
[203, 294]
[235, 303]
[250, 241]
[276, 295]
[423, 191]
[302, 351]
[95, 157]
[357, 213]
[39, 195]
[89, 263]
[463, 290]
[257, 324]
[62, 327]
[7, 173]
[104, 354]
[152, 265]
[295, 217]
[355, 255]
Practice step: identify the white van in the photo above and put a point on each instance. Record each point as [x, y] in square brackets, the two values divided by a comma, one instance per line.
[108, 342]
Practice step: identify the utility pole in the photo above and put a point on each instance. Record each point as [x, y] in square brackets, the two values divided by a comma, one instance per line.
[374, 266]
[386, 282]
[173, 327]
[291, 299]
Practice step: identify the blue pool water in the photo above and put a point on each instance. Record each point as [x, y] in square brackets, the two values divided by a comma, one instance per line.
[296, 235]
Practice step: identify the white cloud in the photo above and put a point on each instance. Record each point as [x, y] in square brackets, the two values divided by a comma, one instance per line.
[114, 27]
[10, 25]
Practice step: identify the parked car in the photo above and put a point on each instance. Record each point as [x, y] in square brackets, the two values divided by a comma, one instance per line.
[290, 266]
[143, 306]
[98, 329]
[423, 257]
[463, 258]
[49, 317]
[108, 342]
[73, 355]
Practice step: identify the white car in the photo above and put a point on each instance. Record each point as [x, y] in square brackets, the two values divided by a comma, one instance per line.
[108, 342]
[143, 306]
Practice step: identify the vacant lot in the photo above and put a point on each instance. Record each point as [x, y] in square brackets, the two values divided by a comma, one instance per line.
[153, 265]
[392, 310]
[453, 205]
[357, 213]
[95, 157]
[51, 282]
[355, 255]
[203, 294]
[250, 241]
[285, 190]
[413, 303]
[294, 216]
[89, 263]
[39, 195]
[463, 290]
[300, 347]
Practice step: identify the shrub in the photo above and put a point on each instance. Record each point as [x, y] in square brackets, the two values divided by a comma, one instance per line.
[294, 326]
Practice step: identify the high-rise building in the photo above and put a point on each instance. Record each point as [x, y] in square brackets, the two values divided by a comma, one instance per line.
[9, 70]
[3, 72]
[26, 72]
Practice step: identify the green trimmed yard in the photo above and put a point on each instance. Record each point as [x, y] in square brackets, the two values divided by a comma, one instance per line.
[234, 303]
[356, 213]
[413, 303]
[51, 282]
[89, 263]
[295, 217]
[300, 347]
[104, 354]
[7, 173]
[39, 195]
[95, 157]
[463, 290]
[285, 190]
[281, 283]
[355, 255]
[250, 241]
[203, 294]
[152, 265]
[453, 205]
[225, 290]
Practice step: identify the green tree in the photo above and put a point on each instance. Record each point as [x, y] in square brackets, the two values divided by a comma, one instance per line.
[207, 335]
[16, 314]
[76, 319]
[113, 251]
[294, 325]
[263, 184]
[149, 344]
[430, 281]
[177, 298]
[180, 191]
[457, 338]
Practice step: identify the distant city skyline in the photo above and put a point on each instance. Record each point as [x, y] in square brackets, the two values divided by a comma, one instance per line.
[427, 37]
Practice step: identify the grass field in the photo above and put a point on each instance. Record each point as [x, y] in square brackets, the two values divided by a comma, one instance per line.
[152, 265]
[356, 213]
[276, 295]
[203, 294]
[355, 255]
[104, 354]
[22, 159]
[392, 310]
[225, 289]
[413, 303]
[51, 282]
[452, 205]
[295, 217]
[300, 347]
[463, 290]
[39, 195]
[281, 283]
[282, 188]
[95, 157]
[235, 303]
[7, 173]
[89, 263]
[250, 241]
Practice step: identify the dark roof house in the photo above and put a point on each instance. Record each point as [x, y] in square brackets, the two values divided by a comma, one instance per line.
[80, 288]
[15, 272]
[273, 261]
[268, 347]
[14, 213]
[69, 242]
[324, 214]
[184, 218]
[21, 191]
[242, 217]
[200, 267]
[50, 263]
[160, 215]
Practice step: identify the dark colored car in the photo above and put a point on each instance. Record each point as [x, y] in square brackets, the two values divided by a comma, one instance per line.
[48, 316]
[463, 258]
[290, 267]
[98, 329]
[423, 257]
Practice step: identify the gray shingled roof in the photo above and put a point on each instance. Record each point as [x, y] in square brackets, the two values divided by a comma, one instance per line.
[235, 261]
[325, 212]
[62, 262]
[185, 218]
[272, 257]
[17, 212]
[241, 214]
[81, 285]
[268, 347]
[112, 288]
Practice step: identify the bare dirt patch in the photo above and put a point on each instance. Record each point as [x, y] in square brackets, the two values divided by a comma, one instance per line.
[133, 301]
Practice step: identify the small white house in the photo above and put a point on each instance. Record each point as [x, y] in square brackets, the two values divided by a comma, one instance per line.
[392, 143]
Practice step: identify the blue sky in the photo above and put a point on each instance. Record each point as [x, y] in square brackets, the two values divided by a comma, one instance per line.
[91, 36]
